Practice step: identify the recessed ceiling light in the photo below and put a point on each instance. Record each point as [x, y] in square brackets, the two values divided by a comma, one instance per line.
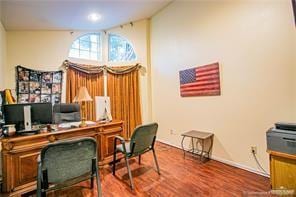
[94, 17]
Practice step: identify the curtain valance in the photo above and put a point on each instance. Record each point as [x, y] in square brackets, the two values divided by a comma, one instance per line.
[88, 69]
[92, 69]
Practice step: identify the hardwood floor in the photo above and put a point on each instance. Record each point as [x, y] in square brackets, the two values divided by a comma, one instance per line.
[179, 177]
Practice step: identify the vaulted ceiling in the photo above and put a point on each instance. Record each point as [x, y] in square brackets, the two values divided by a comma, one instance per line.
[73, 14]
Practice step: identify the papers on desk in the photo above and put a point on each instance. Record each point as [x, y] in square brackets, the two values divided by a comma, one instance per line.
[74, 124]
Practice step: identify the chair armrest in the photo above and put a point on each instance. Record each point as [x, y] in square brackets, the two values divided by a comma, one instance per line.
[121, 139]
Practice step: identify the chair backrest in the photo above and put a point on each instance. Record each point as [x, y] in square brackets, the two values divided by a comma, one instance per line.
[63, 113]
[143, 138]
[66, 160]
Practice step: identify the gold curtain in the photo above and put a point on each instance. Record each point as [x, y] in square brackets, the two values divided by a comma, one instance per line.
[124, 93]
[94, 84]
[122, 88]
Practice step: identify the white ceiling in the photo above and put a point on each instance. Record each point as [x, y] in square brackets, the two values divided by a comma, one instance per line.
[72, 14]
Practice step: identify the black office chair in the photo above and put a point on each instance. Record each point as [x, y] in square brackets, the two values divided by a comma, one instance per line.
[66, 163]
[63, 113]
[142, 141]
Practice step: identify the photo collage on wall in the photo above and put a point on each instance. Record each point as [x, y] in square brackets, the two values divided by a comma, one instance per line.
[35, 86]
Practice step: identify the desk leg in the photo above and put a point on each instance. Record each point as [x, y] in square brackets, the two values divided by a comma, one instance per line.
[202, 150]
[211, 147]
[183, 146]
[192, 145]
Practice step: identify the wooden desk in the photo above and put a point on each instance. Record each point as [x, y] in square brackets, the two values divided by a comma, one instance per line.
[19, 153]
[282, 170]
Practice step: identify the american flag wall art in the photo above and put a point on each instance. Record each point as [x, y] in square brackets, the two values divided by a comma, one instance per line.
[200, 81]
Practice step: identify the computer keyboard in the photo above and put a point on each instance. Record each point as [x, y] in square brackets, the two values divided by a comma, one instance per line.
[28, 132]
[74, 124]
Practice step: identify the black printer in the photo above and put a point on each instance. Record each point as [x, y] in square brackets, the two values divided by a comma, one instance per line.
[282, 138]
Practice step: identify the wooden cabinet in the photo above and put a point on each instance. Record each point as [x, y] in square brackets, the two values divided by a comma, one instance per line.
[106, 138]
[25, 167]
[282, 170]
[107, 143]
[20, 153]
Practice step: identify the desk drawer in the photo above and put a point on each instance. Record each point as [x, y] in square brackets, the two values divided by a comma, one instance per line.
[26, 167]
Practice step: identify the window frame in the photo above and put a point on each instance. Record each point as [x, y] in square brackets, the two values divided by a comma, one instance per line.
[108, 49]
[99, 47]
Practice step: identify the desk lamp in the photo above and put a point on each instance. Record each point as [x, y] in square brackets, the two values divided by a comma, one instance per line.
[82, 97]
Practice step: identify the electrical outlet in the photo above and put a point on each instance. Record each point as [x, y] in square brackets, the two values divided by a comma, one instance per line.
[172, 132]
[254, 149]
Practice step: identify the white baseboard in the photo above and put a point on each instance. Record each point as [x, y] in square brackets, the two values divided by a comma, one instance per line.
[225, 161]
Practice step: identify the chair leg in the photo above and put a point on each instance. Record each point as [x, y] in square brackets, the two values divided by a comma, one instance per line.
[129, 173]
[94, 168]
[155, 159]
[44, 183]
[139, 159]
[114, 162]
[43, 194]
[91, 182]
[39, 182]
[99, 188]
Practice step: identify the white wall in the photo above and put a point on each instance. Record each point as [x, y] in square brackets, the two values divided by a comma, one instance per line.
[294, 52]
[46, 50]
[2, 55]
[253, 42]
[2, 67]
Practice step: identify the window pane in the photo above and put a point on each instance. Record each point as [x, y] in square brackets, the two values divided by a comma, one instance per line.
[94, 56]
[99, 56]
[74, 53]
[84, 54]
[75, 44]
[94, 47]
[85, 38]
[94, 38]
[84, 45]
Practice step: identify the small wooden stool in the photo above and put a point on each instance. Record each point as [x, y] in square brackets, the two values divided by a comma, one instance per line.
[201, 137]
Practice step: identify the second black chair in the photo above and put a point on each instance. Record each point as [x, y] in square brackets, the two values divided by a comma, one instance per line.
[142, 141]
[64, 112]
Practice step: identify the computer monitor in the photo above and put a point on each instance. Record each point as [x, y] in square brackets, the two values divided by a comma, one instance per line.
[41, 113]
[103, 111]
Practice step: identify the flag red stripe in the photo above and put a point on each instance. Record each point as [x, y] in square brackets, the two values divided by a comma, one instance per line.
[212, 72]
[201, 93]
[206, 87]
[208, 66]
[199, 83]
[206, 69]
[201, 90]
[208, 77]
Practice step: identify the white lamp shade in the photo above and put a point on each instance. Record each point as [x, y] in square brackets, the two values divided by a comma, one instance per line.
[82, 95]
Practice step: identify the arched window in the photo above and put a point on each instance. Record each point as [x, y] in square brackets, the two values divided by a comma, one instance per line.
[87, 47]
[120, 49]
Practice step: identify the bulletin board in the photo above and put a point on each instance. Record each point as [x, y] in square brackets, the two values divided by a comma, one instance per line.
[34, 86]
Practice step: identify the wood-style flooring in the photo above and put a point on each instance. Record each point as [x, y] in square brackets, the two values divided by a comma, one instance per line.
[179, 177]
